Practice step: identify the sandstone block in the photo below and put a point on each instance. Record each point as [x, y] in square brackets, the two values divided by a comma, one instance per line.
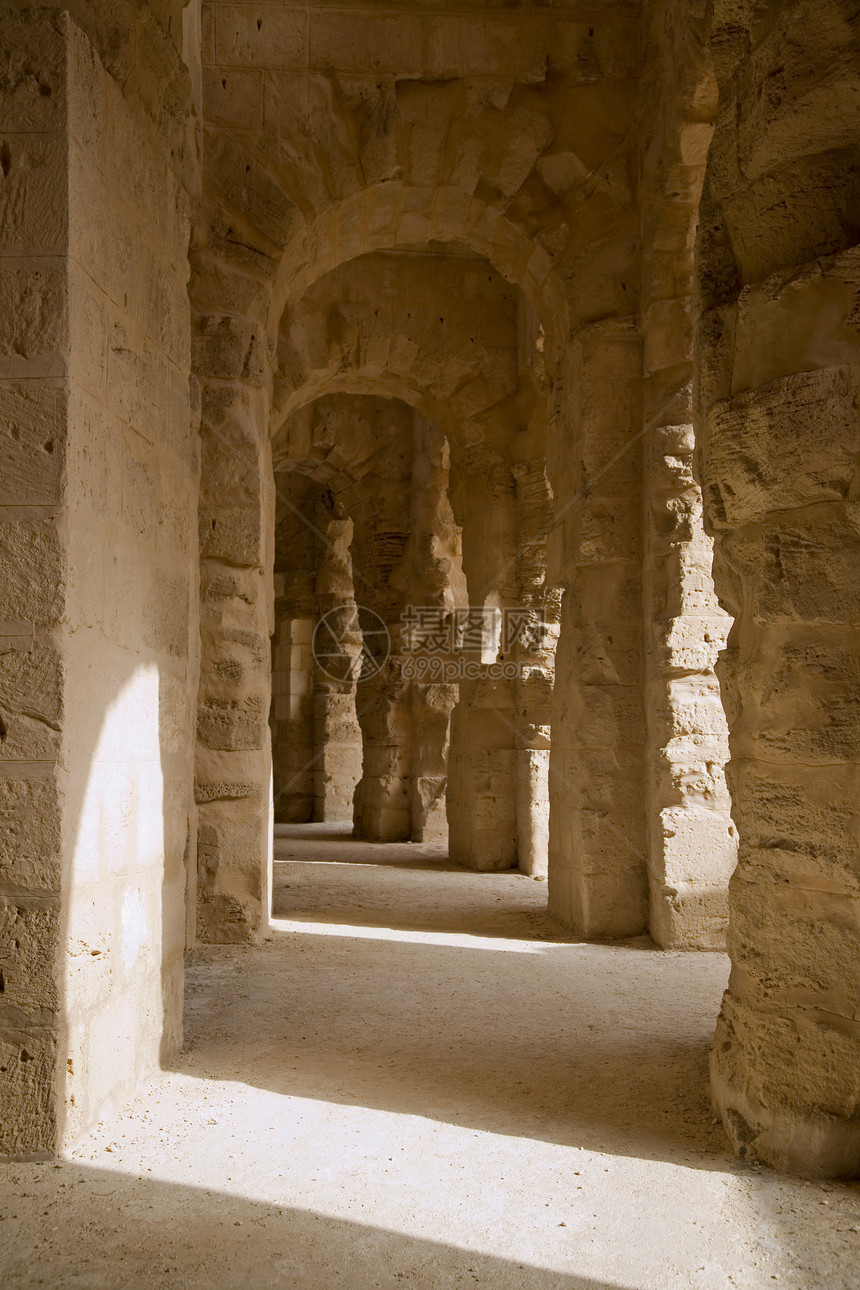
[668, 334]
[800, 1113]
[769, 233]
[27, 1064]
[228, 347]
[233, 97]
[33, 196]
[796, 827]
[790, 443]
[33, 83]
[799, 568]
[32, 439]
[359, 42]
[264, 35]
[466, 45]
[596, 47]
[231, 533]
[611, 902]
[32, 925]
[231, 725]
[30, 854]
[800, 700]
[803, 114]
[33, 319]
[242, 182]
[32, 588]
[32, 701]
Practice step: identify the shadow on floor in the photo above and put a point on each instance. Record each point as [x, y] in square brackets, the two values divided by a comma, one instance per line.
[406, 888]
[428, 990]
[505, 919]
[590, 1046]
[106, 1229]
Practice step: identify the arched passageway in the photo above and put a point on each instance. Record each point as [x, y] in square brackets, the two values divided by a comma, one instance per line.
[529, 310]
[413, 569]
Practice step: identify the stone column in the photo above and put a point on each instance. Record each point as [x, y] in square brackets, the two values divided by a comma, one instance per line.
[692, 846]
[778, 361]
[692, 843]
[436, 583]
[482, 775]
[337, 734]
[382, 803]
[98, 448]
[533, 650]
[232, 263]
[431, 718]
[381, 524]
[597, 848]
[236, 539]
[293, 739]
[34, 424]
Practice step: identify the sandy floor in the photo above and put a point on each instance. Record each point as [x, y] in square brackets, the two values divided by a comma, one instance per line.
[418, 1081]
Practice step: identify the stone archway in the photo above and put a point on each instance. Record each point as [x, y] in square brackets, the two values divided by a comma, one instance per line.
[603, 851]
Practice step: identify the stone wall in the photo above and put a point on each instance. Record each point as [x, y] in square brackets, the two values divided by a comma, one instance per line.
[778, 434]
[98, 663]
[692, 847]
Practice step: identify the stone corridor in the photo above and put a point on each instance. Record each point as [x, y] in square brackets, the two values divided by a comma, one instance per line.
[430, 640]
[417, 1079]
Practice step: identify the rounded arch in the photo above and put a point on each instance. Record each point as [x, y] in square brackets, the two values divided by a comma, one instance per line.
[445, 334]
[310, 440]
[381, 217]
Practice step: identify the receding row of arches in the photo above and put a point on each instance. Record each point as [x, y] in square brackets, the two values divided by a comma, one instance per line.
[486, 301]
[412, 387]
[415, 399]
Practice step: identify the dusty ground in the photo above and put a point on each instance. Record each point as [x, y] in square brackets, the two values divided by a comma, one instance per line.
[418, 1081]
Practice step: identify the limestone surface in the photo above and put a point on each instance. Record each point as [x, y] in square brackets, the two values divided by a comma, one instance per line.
[441, 418]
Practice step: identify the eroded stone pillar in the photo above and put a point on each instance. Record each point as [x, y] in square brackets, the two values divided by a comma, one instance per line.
[597, 849]
[692, 843]
[233, 743]
[437, 584]
[778, 362]
[293, 739]
[381, 526]
[337, 734]
[535, 632]
[383, 796]
[482, 774]
[34, 425]
[691, 839]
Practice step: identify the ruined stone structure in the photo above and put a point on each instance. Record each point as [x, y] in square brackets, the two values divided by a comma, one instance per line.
[314, 315]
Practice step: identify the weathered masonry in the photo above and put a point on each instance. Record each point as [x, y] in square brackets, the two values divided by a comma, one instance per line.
[465, 315]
